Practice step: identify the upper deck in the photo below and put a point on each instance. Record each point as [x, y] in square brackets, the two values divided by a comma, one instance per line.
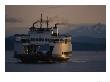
[43, 34]
[53, 39]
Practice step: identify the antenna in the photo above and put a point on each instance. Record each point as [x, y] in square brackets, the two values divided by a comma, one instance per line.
[41, 21]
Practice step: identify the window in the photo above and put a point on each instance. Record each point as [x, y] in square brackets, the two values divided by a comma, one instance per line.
[66, 41]
[67, 53]
[47, 39]
[37, 39]
[32, 39]
[41, 39]
[56, 40]
[24, 40]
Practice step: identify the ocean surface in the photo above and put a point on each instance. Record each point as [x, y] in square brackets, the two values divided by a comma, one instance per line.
[81, 61]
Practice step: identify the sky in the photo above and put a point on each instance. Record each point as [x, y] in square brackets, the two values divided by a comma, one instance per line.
[19, 18]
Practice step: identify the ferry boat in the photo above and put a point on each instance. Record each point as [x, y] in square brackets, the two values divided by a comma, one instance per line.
[43, 44]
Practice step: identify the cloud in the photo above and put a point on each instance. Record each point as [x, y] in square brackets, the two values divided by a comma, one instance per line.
[56, 6]
[13, 20]
[60, 21]
[65, 23]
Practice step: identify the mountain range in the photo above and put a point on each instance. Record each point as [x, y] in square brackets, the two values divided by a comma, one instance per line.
[96, 30]
[89, 37]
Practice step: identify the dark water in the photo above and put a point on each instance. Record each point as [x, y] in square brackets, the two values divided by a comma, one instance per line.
[81, 61]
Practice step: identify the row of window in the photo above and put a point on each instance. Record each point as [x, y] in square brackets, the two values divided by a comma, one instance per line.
[46, 39]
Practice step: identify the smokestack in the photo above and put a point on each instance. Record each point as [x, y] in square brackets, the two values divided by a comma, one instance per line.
[55, 30]
[55, 25]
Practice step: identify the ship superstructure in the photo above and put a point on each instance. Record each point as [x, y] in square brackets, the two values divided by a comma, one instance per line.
[43, 44]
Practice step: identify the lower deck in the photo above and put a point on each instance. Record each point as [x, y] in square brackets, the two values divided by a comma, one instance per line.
[34, 58]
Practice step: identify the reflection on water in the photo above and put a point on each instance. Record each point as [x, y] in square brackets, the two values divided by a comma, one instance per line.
[81, 61]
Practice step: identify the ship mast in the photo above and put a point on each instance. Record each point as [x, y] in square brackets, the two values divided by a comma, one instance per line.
[47, 22]
[41, 21]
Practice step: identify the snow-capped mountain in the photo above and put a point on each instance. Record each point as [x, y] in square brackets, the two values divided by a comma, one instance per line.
[94, 31]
